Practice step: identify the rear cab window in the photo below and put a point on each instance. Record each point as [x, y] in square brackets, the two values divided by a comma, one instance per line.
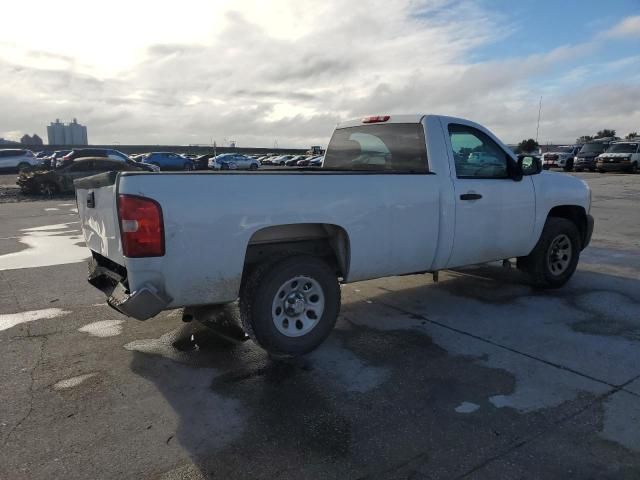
[394, 147]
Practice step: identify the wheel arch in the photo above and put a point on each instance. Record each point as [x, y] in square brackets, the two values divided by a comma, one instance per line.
[574, 213]
[324, 240]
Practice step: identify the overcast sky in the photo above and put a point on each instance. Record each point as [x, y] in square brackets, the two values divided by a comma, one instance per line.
[257, 72]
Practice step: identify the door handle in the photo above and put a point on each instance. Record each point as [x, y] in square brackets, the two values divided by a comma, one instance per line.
[470, 196]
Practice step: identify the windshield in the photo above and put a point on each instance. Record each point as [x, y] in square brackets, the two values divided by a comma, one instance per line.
[592, 148]
[622, 148]
[564, 149]
[389, 147]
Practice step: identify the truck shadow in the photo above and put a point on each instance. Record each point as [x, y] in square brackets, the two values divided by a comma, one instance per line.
[371, 401]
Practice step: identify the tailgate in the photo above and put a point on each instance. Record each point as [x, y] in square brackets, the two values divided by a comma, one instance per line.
[96, 198]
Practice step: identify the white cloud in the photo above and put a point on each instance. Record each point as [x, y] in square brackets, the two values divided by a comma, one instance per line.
[257, 72]
[629, 27]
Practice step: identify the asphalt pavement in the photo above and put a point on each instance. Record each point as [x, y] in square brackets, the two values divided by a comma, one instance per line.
[477, 376]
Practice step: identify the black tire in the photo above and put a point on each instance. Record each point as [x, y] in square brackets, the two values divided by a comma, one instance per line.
[253, 166]
[601, 170]
[187, 167]
[258, 294]
[47, 189]
[634, 168]
[592, 170]
[539, 264]
[23, 165]
[578, 169]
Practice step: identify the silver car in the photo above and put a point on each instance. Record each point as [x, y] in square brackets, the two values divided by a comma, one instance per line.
[17, 159]
[233, 161]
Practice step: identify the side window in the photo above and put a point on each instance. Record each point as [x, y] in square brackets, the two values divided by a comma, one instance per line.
[103, 166]
[81, 166]
[475, 154]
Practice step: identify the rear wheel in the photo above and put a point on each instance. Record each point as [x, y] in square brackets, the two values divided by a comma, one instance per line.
[289, 306]
[555, 257]
[253, 166]
[188, 167]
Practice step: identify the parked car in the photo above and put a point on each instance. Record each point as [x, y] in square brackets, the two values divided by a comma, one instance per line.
[303, 162]
[202, 162]
[562, 157]
[620, 156]
[280, 160]
[316, 161]
[109, 153]
[285, 241]
[168, 161]
[49, 182]
[16, 159]
[233, 161]
[586, 158]
[91, 152]
[293, 161]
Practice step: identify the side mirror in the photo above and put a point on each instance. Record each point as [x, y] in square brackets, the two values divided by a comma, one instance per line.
[514, 169]
[529, 164]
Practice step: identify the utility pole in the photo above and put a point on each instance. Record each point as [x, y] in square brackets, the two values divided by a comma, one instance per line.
[539, 111]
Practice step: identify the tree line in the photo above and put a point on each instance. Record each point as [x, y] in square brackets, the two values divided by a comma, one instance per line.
[530, 145]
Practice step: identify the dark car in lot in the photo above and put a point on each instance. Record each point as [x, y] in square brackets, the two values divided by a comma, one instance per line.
[586, 158]
[91, 152]
[108, 153]
[60, 180]
[201, 162]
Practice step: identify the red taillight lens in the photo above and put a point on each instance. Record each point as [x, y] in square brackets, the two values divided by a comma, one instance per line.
[141, 226]
[378, 119]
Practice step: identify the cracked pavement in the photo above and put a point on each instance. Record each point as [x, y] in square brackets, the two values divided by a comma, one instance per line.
[477, 376]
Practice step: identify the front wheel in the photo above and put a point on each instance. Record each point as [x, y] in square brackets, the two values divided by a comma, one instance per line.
[187, 167]
[290, 306]
[48, 189]
[634, 168]
[555, 257]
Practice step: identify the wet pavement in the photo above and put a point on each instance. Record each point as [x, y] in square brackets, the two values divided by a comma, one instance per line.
[476, 376]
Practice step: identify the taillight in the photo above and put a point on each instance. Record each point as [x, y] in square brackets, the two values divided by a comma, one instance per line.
[141, 226]
[378, 119]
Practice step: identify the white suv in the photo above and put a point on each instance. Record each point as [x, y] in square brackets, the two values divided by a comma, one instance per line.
[17, 159]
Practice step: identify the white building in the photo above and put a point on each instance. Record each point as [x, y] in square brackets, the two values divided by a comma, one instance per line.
[71, 134]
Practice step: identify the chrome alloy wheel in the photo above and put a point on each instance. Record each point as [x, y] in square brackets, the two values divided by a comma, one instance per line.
[298, 306]
[559, 254]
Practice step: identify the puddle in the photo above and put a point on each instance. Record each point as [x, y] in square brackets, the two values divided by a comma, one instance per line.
[73, 381]
[12, 319]
[190, 344]
[104, 328]
[467, 407]
[346, 369]
[621, 419]
[47, 245]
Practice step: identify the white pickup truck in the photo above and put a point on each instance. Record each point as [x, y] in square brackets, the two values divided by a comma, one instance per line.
[395, 195]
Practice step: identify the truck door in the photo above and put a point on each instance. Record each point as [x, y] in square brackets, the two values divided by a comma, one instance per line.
[494, 215]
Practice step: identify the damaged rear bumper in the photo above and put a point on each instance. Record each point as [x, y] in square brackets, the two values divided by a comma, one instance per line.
[144, 303]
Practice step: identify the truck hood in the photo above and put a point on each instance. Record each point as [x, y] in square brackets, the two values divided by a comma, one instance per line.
[560, 154]
[615, 155]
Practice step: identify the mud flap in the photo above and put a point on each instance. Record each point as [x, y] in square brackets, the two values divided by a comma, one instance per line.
[223, 320]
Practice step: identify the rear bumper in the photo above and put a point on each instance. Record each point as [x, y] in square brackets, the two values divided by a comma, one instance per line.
[144, 303]
[587, 235]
